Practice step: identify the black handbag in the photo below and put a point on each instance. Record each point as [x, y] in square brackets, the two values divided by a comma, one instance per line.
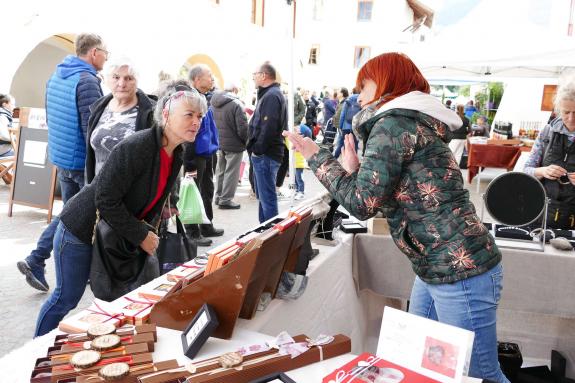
[118, 266]
[174, 248]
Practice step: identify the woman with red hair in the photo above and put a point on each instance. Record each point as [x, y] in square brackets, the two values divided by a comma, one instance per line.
[409, 173]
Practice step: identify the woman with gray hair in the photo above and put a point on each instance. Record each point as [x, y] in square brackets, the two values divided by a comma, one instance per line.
[552, 158]
[116, 115]
[129, 194]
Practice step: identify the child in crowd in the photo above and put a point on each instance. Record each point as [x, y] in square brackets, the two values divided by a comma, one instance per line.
[305, 131]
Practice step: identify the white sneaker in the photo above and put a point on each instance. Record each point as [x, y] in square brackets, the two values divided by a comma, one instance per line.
[282, 196]
[299, 196]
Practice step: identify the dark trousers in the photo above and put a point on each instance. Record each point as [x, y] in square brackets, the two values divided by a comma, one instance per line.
[282, 171]
[205, 182]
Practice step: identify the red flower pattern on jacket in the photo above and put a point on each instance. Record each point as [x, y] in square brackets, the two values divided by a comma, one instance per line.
[461, 257]
[428, 193]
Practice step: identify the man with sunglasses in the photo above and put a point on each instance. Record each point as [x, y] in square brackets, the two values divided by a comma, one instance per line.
[70, 91]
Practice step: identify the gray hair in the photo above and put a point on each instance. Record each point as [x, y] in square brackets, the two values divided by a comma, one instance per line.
[87, 41]
[6, 98]
[172, 96]
[119, 62]
[231, 87]
[197, 70]
[565, 90]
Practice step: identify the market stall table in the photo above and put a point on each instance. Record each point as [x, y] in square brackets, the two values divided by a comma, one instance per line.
[483, 155]
[536, 285]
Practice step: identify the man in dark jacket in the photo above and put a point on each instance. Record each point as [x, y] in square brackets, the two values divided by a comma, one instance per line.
[299, 107]
[71, 90]
[232, 126]
[200, 156]
[265, 143]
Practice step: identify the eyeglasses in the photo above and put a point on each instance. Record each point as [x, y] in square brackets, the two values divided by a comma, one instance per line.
[105, 52]
[256, 73]
[564, 180]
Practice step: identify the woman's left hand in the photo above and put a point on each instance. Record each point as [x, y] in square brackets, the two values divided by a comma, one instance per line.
[150, 243]
[304, 145]
[571, 177]
[350, 159]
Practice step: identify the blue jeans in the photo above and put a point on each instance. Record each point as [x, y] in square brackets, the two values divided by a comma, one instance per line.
[265, 173]
[470, 304]
[340, 142]
[72, 258]
[299, 184]
[71, 182]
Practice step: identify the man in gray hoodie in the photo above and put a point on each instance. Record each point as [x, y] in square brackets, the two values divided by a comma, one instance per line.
[232, 123]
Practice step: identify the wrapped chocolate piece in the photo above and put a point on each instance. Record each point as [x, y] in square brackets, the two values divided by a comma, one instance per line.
[218, 260]
[105, 342]
[98, 312]
[132, 373]
[189, 272]
[230, 359]
[100, 329]
[121, 331]
[288, 222]
[114, 371]
[300, 213]
[136, 310]
[68, 371]
[158, 288]
[85, 358]
[61, 359]
[147, 338]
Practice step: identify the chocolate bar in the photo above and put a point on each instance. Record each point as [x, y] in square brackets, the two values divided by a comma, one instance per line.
[125, 340]
[67, 371]
[253, 366]
[133, 374]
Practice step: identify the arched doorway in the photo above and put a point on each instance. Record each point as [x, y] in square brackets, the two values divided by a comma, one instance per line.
[29, 81]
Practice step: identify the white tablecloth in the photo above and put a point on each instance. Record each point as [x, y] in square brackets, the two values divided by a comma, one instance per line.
[330, 304]
[537, 308]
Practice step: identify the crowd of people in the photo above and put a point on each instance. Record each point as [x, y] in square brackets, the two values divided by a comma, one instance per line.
[119, 158]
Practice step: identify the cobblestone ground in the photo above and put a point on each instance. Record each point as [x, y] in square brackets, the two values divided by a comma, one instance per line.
[18, 235]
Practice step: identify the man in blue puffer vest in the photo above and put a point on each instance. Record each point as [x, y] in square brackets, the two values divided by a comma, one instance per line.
[70, 91]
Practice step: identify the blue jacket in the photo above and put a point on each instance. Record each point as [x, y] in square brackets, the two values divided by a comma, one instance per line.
[350, 108]
[71, 90]
[207, 141]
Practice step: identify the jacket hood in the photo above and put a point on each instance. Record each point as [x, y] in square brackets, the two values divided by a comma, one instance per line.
[72, 65]
[426, 104]
[221, 98]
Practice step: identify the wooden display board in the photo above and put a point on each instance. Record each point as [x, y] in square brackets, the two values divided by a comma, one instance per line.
[234, 290]
[34, 175]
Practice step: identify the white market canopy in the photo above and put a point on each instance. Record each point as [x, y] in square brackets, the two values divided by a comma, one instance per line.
[495, 41]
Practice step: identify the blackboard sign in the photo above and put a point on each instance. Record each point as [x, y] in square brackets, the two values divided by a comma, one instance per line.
[34, 174]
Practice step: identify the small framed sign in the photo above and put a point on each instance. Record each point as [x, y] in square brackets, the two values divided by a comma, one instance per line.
[278, 377]
[199, 330]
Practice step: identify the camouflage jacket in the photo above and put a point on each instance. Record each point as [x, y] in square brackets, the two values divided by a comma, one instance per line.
[409, 173]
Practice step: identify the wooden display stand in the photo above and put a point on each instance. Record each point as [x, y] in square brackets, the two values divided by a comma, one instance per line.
[296, 245]
[234, 290]
[224, 290]
[268, 270]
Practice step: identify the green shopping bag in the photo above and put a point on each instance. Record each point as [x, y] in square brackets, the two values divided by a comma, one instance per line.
[190, 204]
